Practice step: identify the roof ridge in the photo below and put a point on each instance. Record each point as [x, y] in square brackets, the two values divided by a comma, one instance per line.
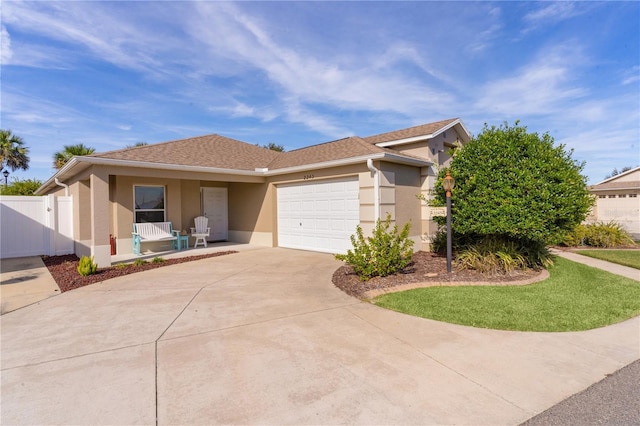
[408, 130]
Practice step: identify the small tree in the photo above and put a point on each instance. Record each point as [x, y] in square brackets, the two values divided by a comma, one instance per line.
[616, 172]
[384, 253]
[137, 144]
[21, 187]
[273, 146]
[517, 186]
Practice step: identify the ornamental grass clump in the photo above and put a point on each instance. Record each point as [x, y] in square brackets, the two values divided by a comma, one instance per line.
[86, 266]
[386, 252]
[605, 235]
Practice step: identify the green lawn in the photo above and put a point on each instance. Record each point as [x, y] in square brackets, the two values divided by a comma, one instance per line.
[575, 297]
[622, 257]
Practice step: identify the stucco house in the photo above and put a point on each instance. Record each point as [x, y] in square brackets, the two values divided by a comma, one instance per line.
[618, 200]
[310, 198]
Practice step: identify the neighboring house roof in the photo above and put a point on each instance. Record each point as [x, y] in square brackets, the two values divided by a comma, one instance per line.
[612, 182]
[423, 131]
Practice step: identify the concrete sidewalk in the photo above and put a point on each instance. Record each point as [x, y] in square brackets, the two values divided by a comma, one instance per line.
[24, 281]
[614, 268]
[263, 337]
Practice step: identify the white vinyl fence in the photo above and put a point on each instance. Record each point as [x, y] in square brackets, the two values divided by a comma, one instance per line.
[31, 226]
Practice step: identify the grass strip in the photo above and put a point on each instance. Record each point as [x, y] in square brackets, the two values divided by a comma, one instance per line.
[575, 297]
[629, 258]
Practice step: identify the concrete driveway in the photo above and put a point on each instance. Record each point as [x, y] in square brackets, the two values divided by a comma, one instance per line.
[262, 336]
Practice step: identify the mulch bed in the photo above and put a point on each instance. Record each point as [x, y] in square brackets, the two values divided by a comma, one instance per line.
[64, 269]
[425, 267]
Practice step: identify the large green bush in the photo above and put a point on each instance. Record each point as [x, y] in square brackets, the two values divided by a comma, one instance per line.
[517, 186]
[384, 253]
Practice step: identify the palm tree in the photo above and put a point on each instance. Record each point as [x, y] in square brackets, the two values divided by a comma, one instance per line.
[60, 158]
[13, 154]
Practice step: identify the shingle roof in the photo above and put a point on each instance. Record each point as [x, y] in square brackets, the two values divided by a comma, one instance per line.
[337, 150]
[205, 151]
[423, 129]
[217, 151]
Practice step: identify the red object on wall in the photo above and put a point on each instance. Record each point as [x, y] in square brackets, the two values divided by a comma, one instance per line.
[112, 241]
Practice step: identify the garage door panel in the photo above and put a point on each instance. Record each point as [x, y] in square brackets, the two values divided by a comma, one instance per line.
[319, 216]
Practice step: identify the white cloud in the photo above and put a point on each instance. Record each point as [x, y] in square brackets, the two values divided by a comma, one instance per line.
[631, 76]
[5, 46]
[538, 88]
[105, 33]
[554, 12]
[362, 83]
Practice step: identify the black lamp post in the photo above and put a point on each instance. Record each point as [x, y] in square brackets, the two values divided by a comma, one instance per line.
[448, 183]
[6, 177]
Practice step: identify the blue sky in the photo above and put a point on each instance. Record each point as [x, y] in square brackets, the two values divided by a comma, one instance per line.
[110, 74]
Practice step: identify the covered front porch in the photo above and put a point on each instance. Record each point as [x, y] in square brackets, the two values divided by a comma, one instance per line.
[215, 247]
[114, 198]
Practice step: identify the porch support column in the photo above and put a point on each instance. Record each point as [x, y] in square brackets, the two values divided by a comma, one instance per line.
[100, 248]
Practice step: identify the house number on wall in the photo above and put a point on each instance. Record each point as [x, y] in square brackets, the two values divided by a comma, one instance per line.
[307, 177]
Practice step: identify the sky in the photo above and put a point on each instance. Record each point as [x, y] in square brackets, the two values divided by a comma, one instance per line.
[112, 74]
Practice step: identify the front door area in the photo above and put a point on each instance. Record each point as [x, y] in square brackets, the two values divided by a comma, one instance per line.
[214, 207]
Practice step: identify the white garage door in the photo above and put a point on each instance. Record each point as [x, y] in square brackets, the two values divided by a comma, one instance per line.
[318, 216]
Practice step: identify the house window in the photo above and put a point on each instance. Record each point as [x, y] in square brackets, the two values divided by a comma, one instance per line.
[633, 195]
[148, 204]
[612, 196]
[602, 196]
[622, 196]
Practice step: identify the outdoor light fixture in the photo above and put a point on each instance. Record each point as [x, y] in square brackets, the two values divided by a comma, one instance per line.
[448, 183]
[6, 176]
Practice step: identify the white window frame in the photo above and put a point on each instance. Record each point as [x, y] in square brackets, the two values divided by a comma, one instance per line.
[163, 210]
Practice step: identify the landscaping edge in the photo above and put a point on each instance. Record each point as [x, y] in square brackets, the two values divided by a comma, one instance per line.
[371, 294]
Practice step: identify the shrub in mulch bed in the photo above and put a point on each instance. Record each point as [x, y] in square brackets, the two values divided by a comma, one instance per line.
[64, 269]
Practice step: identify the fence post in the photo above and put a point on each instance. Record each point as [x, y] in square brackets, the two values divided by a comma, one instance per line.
[50, 223]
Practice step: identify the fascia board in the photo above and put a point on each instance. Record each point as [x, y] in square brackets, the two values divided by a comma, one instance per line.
[405, 140]
[139, 164]
[261, 172]
[613, 188]
[167, 166]
[427, 136]
[59, 174]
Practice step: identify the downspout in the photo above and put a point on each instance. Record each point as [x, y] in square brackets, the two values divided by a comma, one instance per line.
[65, 186]
[376, 189]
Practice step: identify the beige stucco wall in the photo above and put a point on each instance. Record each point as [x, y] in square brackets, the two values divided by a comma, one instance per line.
[622, 207]
[406, 206]
[436, 150]
[103, 201]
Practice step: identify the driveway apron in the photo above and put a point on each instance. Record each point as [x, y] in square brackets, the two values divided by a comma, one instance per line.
[263, 336]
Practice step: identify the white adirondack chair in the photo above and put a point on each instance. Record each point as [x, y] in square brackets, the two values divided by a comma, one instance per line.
[201, 231]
